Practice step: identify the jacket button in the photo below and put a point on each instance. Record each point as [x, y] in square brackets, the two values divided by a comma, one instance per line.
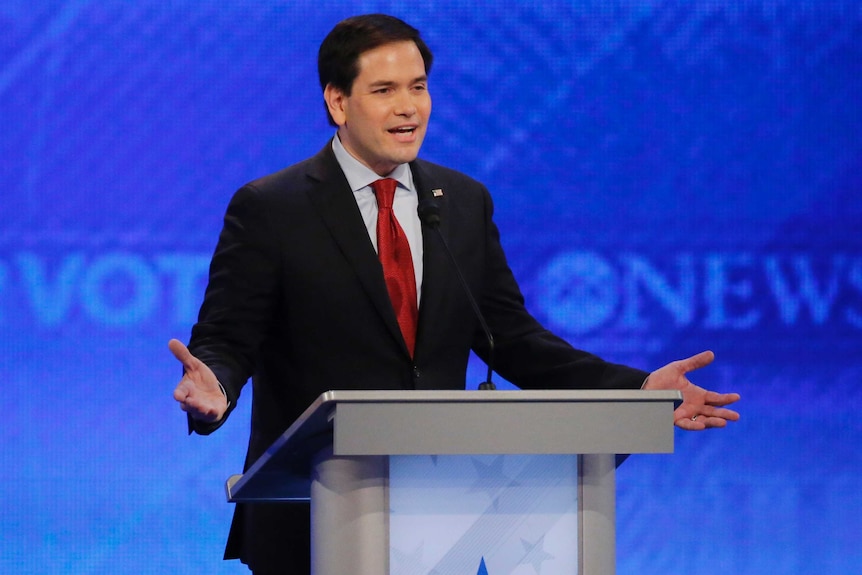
[416, 372]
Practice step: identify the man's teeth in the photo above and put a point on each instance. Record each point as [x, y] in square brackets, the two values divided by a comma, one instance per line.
[402, 130]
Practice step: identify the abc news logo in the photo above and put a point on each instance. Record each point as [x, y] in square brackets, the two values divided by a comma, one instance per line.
[581, 292]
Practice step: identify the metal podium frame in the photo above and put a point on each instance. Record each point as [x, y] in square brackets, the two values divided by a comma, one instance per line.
[336, 454]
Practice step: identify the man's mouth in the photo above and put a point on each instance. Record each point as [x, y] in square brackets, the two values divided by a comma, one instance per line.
[403, 130]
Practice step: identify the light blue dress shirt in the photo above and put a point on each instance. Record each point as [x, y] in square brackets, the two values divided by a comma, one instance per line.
[360, 177]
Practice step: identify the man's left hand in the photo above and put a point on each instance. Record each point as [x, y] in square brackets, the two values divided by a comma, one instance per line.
[700, 408]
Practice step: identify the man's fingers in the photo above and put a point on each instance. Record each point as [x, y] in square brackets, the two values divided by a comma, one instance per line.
[720, 399]
[701, 423]
[182, 353]
[702, 359]
[184, 390]
[180, 393]
[194, 403]
[727, 414]
[689, 425]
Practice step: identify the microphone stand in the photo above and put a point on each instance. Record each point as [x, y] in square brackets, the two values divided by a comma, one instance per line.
[429, 214]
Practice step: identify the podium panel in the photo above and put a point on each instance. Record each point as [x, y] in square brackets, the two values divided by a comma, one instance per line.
[514, 514]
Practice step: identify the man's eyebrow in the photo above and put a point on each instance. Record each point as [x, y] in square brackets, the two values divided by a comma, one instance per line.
[386, 83]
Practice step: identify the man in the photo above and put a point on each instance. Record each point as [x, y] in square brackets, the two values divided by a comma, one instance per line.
[299, 300]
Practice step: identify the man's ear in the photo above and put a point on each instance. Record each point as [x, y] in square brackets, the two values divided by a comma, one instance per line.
[335, 100]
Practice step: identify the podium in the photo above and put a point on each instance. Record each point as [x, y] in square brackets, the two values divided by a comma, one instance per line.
[381, 466]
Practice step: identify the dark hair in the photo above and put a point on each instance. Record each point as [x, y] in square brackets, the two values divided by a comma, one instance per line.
[337, 59]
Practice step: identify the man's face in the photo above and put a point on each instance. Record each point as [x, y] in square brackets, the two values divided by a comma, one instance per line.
[382, 122]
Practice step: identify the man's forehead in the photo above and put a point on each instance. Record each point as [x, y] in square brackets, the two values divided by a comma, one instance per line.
[400, 54]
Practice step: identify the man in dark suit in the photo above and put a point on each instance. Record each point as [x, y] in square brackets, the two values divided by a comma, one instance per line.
[298, 299]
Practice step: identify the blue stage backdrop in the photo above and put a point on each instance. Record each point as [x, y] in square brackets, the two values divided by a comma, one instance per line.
[669, 177]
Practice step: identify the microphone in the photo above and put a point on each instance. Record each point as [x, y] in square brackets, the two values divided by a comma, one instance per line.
[429, 215]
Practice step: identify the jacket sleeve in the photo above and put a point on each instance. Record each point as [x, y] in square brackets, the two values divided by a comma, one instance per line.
[240, 299]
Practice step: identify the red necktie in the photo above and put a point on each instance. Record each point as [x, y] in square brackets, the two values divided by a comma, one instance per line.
[397, 261]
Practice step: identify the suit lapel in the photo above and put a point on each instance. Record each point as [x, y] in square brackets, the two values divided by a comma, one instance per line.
[333, 200]
[437, 273]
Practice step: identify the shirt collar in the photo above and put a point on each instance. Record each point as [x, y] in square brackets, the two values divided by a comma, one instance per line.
[360, 176]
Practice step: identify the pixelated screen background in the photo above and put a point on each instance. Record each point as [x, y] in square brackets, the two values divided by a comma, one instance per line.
[668, 176]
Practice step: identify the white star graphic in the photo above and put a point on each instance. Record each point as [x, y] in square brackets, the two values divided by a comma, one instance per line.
[535, 554]
[491, 478]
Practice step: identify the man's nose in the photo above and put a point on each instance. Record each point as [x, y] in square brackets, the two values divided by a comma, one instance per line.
[405, 106]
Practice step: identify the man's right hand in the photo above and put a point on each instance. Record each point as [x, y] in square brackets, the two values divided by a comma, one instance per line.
[198, 392]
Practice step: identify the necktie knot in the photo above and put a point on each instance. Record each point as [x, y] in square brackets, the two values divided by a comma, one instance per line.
[384, 189]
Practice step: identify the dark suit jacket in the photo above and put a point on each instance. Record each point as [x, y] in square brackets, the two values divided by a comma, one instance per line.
[297, 301]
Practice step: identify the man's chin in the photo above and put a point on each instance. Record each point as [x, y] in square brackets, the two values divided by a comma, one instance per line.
[396, 157]
[408, 153]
